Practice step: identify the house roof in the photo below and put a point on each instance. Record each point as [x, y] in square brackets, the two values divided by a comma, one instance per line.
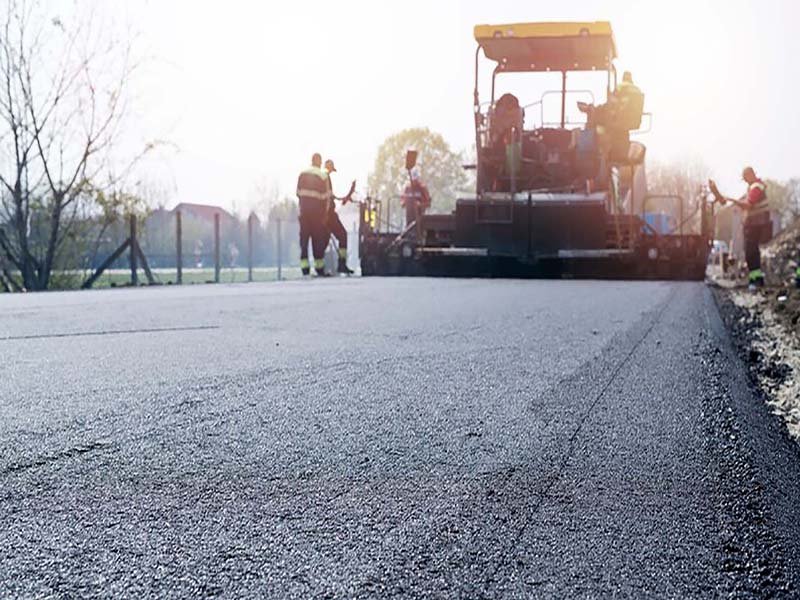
[203, 211]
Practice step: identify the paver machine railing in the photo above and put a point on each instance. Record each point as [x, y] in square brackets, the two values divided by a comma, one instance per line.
[554, 196]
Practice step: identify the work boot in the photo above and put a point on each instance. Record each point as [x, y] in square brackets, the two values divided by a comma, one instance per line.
[756, 279]
[319, 267]
[343, 268]
[306, 271]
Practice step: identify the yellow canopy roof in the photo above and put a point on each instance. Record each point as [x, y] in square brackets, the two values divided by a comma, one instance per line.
[565, 46]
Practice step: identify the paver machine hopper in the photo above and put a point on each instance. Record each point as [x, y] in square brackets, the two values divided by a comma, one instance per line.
[555, 196]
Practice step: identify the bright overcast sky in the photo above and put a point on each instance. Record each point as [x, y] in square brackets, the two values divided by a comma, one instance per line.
[247, 90]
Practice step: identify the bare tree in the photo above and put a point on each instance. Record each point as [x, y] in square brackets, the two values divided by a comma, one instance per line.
[686, 180]
[63, 84]
[264, 195]
[784, 199]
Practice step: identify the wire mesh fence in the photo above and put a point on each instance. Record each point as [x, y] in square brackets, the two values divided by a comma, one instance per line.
[175, 247]
[200, 245]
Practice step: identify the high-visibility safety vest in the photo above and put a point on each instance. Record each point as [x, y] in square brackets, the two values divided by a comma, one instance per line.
[313, 185]
[757, 199]
[629, 106]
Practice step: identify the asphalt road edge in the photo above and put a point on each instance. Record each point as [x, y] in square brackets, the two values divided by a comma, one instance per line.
[758, 452]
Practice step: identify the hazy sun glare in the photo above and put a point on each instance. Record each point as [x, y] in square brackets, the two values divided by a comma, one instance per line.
[247, 90]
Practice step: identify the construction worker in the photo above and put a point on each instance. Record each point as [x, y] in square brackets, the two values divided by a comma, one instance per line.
[623, 110]
[757, 224]
[757, 227]
[618, 117]
[415, 199]
[313, 194]
[507, 120]
[627, 108]
[334, 224]
[628, 104]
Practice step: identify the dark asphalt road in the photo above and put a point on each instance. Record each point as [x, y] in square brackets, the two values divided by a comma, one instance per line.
[388, 438]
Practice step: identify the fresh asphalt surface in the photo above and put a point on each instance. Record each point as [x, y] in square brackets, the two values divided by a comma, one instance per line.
[388, 437]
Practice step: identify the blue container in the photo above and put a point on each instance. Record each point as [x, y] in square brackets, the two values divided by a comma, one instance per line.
[662, 223]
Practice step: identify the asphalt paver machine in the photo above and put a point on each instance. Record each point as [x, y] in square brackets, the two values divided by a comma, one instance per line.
[553, 198]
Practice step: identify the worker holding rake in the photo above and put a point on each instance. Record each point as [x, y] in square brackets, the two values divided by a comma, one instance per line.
[757, 222]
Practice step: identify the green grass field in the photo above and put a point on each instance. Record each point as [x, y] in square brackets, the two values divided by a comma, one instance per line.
[73, 280]
[122, 277]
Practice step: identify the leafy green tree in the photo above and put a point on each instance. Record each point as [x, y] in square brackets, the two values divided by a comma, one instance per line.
[440, 167]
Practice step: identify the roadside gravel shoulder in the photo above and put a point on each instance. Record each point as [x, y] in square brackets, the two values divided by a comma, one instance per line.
[769, 346]
[773, 455]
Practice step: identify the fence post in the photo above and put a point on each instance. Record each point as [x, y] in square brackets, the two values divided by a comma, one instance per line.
[250, 247]
[280, 247]
[133, 251]
[357, 239]
[179, 245]
[217, 265]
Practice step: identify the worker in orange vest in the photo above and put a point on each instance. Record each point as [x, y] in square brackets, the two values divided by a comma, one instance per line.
[416, 199]
[757, 222]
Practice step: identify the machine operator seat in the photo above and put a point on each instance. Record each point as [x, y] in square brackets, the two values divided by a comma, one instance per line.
[506, 118]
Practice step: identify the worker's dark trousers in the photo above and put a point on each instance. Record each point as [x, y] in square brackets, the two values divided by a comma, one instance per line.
[307, 227]
[414, 212]
[319, 240]
[337, 229]
[755, 233]
[305, 237]
[411, 212]
[312, 229]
